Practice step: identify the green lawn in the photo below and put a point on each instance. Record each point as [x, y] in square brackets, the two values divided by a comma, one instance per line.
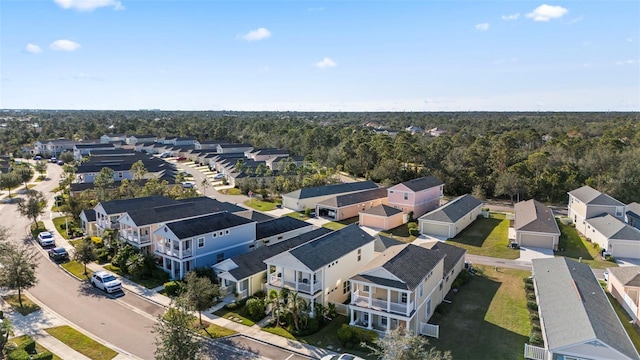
[328, 337]
[21, 341]
[35, 230]
[632, 330]
[59, 222]
[214, 331]
[297, 215]
[82, 343]
[27, 307]
[77, 270]
[333, 225]
[279, 331]
[400, 233]
[231, 191]
[487, 237]
[261, 205]
[234, 315]
[490, 310]
[158, 278]
[574, 246]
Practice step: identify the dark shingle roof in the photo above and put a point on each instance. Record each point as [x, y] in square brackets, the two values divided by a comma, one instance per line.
[204, 224]
[355, 198]
[332, 189]
[270, 151]
[231, 146]
[253, 262]
[633, 209]
[453, 254]
[613, 228]
[256, 216]
[382, 210]
[383, 243]
[454, 210]
[591, 196]
[89, 214]
[532, 215]
[331, 247]
[94, 146]
[409, 263]
[422, 183]
[278, 226]
[124, 205]
[182, 209]
[574, 308]
[214, 204]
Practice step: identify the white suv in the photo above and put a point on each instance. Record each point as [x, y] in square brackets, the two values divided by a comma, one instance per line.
[45, 238]
[106, 282]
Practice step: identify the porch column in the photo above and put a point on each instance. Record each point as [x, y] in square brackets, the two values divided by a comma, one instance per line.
[388, 323]
[388, 300]
[351, 314]
[313, 308]
[180, 252]
[370, 291]
[408, 309]
[296, 273]
[370, 322]
[139, 235]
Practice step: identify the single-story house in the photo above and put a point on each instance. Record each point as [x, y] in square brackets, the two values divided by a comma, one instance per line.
[624, 284]
[308, 198]
[614, 236]
[382, 217]
[576, 318]
[450, 219]
[350, 205]
[535, 225]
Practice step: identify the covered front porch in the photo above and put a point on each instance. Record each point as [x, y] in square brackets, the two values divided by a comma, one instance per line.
[383, 299]
[298, 281]
[374, 321]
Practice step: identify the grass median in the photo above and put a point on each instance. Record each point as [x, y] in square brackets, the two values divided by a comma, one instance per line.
[82, 343]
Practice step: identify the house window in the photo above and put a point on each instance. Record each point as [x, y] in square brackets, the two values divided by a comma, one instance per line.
[403, 298]
[365, 288]
[214, 234]
[359, 254]
[220, 233]
[618, 211]
[346, 287]
[120, 174]
[365, 318]
[421, 290]
[383, 321]
[406, 196]
[428, 312]
[200, 242]
[226, 232]
[220, 257]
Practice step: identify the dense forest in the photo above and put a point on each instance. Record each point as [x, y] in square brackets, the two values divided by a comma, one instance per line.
[530, 155]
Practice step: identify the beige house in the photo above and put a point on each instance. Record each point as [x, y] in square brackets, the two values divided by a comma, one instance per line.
[450, 219]
[382, 217]
[614, 236]
[587, 202]
[624, 284]
[350, 205]
[535, 225]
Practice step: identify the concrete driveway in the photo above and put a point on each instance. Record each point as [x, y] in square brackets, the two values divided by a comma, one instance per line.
[529, 253]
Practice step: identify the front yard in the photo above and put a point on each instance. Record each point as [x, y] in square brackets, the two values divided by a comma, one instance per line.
[487, 237]
[488, 318]
[574, 246]
[262, 205]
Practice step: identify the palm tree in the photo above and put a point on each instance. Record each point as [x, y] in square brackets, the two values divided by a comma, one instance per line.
[298, 307]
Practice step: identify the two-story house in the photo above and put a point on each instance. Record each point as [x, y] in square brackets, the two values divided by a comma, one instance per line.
[273, 231]
[208, 144]
[401, 287]
[202, 241]
[107, 213]
[140, 138]
[319, 269]
[418, 195]
[587, 202]
[138, 225]
[302, 199]
[82, 150]
[246, 274]
[234, 148]
[350, 205]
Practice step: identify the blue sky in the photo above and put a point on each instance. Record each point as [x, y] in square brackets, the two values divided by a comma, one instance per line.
[320, 56]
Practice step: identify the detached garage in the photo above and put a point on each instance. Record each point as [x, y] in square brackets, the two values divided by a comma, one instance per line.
[382, 217]
[620, 239]
[535, 225]
[451, 218]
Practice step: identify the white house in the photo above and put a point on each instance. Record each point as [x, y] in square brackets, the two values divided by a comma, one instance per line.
[273, 231]
[107, 213]
[587, 202]
[202, 241]
[614, 236]
[535, 225]
[450, 219]
[318, 270]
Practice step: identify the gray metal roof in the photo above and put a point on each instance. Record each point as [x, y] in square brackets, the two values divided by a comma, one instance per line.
[574, 308]
[454, 210]
[278, 226]
[182, 209]
[382, 210]
[184, 229]
[591, 196]
[355, 198]
[331, 247]
[332, 189]
[422, 183]
[613, 228]
[628, 275]
[532, 215]
[253, 263]
[409, 263]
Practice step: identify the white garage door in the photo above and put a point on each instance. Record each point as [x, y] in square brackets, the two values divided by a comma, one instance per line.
[428, 228]
[625, 249]
[539, 241]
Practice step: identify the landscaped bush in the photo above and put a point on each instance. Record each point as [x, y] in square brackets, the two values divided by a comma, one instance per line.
[531, 296]
[255, 308]
[231, 306]
[535, 338]
[534, 317]
[206, 271]
[532, 305]
[26, 351]
[414, 232]
[528, 280]
[349, 335]
[535, 327]
[172, 288]
[528, 286]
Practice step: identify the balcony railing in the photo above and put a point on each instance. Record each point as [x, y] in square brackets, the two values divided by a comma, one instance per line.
[534, 352]
[276, 281]
[176, 253]
[381, 305]
[133, 238]
[108, 225]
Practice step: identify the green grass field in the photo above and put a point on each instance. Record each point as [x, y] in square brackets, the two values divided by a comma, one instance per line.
[82, 343]
[27, 307]
[574, 246]
[487, 237]
[261, 205]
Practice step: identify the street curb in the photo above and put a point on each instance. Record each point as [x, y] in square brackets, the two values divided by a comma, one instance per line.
[274, 345]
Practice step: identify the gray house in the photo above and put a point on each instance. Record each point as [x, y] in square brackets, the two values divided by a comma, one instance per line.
[535, 225]
[309, 197]
[576, 318]
[450, 219]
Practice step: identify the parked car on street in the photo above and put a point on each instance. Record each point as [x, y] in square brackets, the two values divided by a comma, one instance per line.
[58, 254]
[53, 159]
[218, 176]
[106, 282]
[46, 238]
[188, 185]
[37, 157]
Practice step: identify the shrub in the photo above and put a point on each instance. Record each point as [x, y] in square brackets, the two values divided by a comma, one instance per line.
[414, 232]
[97, 241]
[102, 255]
[344, 334]
[528, 286]
[534, 317]
[206, 271]
[172, 288]
[531, 296]
[231, 306]
[255, 308]
[532, 305]
[29, 346]
[535, 327]
[412, 225]
[528, 280]
[535, 338]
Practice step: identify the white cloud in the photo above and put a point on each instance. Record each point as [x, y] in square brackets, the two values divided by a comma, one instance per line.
[64, 45]
[547, 12]
[325, 63]
[257, 34]
[579, 18]
[34, 49]
[89, 5]
[511, 17]
[626, 62]
[482, 27]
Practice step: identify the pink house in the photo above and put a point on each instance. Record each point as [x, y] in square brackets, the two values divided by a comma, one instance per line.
[418, 195]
